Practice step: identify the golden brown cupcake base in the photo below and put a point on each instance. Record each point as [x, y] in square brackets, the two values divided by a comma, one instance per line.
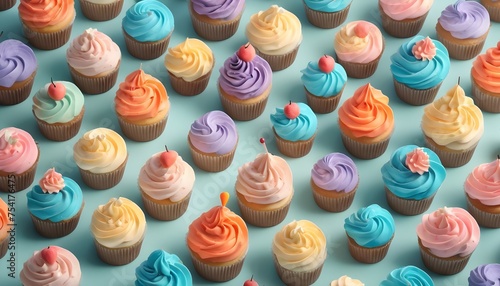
[485, 100]
[142, 133]
[323, 104]
[444, 266]
[211, 162]
[407, 206]
[12, 183]
[217, 272]
[364, 150]
[213, 29]
[416, 97]
[294, 149]
[401, 28]
[267, 216]
[449, 157]
[146, 50]
[18, 92]
[103, 181]
[49, 229]
[486, 216]
[332, 201]
[296, 278]
[326, 20]
[6, 5]
[47, 41]
[101, 12]
[165, 210]
[244, 110]
[493, 8]
[94, 84]
[118, 256]
[460, 49]
[360, 70]
[190, 88]
[279, 62]
[365, 254]
[61, 131]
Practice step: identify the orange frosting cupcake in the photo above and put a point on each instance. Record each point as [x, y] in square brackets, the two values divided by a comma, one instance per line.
[4, 228]
[485, 75]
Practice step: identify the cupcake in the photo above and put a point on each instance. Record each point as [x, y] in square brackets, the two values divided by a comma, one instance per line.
[418, 69]
[408, 276]
[334, 181]
[218, 255]
[412, 176]
[264, 188]
[52, 265]
[485, 274]
[7, 4]
[295, 127]
[327, 14]
[216, 21]
[166, 182]
[403, 18]
[359, 46]
[58, 109]
[18, 66]
[463, 28]
[142, 106]
[163, 268]
[299, 251]
[212, 141]
[482, 191]
[447, 238]
[93, 60]
[189, 66]
[19, 156]
[147, 28]
[493, 7]
[366, 123]
[324, 82]
[101, 156]
[369, 233]
[452, 127]
[47, 25]
[345, 280]
[486, 80]
[118, 228]
[276, 35]
[101, 10]
[5, 227]
[244, 84]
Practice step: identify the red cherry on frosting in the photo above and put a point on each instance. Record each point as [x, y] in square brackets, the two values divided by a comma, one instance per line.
[326, 64]
[168, 157]
[291, 110]
[251, 282]
[361, 29]
[49, 254]
[246, 52]
[56, 91]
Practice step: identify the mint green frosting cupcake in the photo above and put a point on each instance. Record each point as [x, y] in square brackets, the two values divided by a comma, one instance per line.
[163, 269]
[58, 111]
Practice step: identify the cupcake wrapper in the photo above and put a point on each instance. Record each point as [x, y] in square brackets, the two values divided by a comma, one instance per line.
[61, 131]
[297, 278]
[443, 266]
[101, 12]
[450, 158]
[326, 20]
[336, 204]
[407, 206]
[213, 30]
[189, 88]
[105, 180]
[294, 149]
[218, 273]
[460, 49]
[280, 62]
[4, 245]
[263, 218]
[6, 5]
[358, 70]
[49, 229]
[94, 85]
[323, 105]
[146, 50]
[367, 255]
[165, 212]
[416, 97]
[493, 10]
[483, 218]
[118, 256]
[18, 94]
[142, 133]
[402, 28]
[363, 150]
[241, 110]
[19, 182]
[488, 102]
[47, 41]
[211, 162]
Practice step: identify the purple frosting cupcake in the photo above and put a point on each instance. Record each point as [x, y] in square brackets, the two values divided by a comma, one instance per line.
[334, 181]
[485, 275]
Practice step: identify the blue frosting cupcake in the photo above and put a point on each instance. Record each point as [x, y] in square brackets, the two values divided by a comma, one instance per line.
[408, 276]
[327, 14]
[163, 269]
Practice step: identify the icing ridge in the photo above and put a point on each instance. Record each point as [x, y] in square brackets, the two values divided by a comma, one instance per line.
[370, 226]
[148, 21]
[323, 84]
[17, 62]
[409, 9]
[214, 132]
[335, 172]
[329, 6]
[408, 276]
[486, 70]
[162, 268]
[189, 60]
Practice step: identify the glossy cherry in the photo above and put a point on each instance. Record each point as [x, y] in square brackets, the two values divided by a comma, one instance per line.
[251, 282]
[168, 157]
[56, 90]
[291, 110]
[326, 64]
[49, 254]
[246, 52]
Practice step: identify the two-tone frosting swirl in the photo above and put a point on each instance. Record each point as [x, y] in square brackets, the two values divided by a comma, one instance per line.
[346, 281]
[408, 276]
[485, 275]
[300, 246]
[189, 60]
[322, 84]
[447, 232]
[17, 62]
[335, 172]
[148, 21]
[47, 15]
[465, 19]
[486, 70]
[329, 6]
[303, 127]
[274, 31]
[58, 111]
[18, 150]
[162, 269]
[4, 220]
[483, 183]
[214, 132]
[420, 71]
[225, 10]
[409, 9]
[352, 48]
[371, 226]
[118, 223]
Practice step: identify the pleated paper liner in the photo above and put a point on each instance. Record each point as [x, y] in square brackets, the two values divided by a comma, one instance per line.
[279, 62]
[294, 149]
[217, 272]
[486, 216]
[364, 150]
[332, 201]
[493, 7]
[146, 50]
[460, 49]
[450, 158]
[444, 266]
[103, 181]
[323, 104]
[118, 256]
[401, 28]
[265, 217]
[297, 278]
[407, 206]
[189, 88]
[165, 210]
[326, 20]
[416, 97]
[101, 12]
[486, 101]
[4, 245]
[365, 254]
[61, 131]
[18, 92]
[49, 229]
[7, 4]
[211, 162]
[94, 84]
[213, 29]
[244, 110]
[12, 183]
[360, 70]
[47, 41]
[142, 133]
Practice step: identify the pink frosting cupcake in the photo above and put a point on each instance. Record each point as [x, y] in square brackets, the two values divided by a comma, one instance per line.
[403, 19]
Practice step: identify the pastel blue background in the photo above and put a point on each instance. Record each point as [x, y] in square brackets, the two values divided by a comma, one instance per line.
[184, 110]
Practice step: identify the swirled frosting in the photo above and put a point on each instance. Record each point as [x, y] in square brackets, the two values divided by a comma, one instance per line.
[162, 269]
[189, 60]
[100, 150]
[47, 15]
[220, 9]
[319, 83]
[214, 132]
[483, 183]
[422, 71]
[349, 47]
[161, 183]
[300, 246]
[141, 97]
[328, 6]
[301, 128]
[408, 276]
[453, 120]
[407, 9]
[93, 53]
[18, 150]
[58, 111]
[447, 232]
[243, 79]
[65, 271]
[370, 227]
[486, 70]
[465, 19]
[118, 223]
[148, 21]
[17, 62]
[346, 281]
[404, 183]
[274, 31]
[367, 114]
[4, 220]
[485, 275]
[335, 172]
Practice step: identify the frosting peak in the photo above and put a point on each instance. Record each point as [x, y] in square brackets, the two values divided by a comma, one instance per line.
[52, 181]
[424, 49]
